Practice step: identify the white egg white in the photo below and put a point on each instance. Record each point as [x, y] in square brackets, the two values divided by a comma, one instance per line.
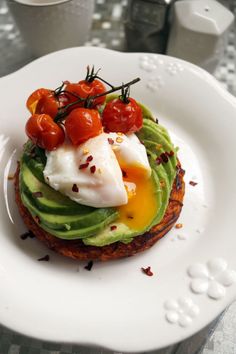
[100, 183]
[130, 152]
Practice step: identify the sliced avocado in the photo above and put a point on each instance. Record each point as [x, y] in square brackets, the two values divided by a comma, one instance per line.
[168, 165]
[151, 131]
[71, 226]
[158, 128]
[166, 189]
[36, 167]
[34, 158]
[107, 236]
[50, 200]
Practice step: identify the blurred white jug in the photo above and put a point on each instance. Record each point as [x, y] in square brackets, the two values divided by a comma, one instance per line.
[199, 32]
[50, 25]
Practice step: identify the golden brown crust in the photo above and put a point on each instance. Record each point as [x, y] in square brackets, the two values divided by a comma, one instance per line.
[76, 248]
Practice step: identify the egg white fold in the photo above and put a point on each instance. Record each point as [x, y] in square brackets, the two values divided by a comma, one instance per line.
[100, 184]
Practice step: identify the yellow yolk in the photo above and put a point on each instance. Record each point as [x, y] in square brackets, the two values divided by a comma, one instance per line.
[142, 203]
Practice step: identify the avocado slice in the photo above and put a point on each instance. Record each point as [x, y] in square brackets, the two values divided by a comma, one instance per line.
[122, 233]
[71, 226]
[169, 165]
[152, 132]
[51, 201]
[35, 159]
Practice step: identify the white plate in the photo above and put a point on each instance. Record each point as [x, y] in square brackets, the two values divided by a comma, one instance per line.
[115, 305]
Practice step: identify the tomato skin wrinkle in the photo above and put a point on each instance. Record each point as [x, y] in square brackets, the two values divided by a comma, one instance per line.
[83, 124]
[119, 116]
[35, 97]
[44, 132]
[84, 89]
[44, 101]
[47, 105]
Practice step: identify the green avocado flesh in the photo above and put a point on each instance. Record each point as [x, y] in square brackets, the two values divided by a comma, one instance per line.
[66, 219]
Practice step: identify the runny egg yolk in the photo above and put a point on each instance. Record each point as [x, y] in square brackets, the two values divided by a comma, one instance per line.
[141, 208]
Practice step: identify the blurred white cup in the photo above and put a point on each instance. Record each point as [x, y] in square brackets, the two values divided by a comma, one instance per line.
[50, 25]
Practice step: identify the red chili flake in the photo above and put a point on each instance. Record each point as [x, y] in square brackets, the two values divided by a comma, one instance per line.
[75, 188]
[124, 174]
[147, 271]
[26, 235]
[83, 166]
[37, 194]
[164, 157]
[110, 141]
[113, 227]
[170, 154]
[89, 266]
[89, 158]
[45, 258]
[93, 169]
[178, 226]
[193, 183]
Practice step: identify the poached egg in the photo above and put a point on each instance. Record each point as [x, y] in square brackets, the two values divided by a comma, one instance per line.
[109, 170]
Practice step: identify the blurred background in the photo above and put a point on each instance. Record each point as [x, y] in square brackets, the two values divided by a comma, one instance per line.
[132, 25]
[158, 26]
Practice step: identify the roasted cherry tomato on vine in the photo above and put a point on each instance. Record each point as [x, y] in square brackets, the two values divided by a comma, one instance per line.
[86, 88]
[119, 116]
[82, 124]
[33, 99]
[44, 132]
[47, 105]
[44, 101]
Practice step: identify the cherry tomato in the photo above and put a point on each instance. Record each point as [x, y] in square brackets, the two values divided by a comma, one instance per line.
[82, 124]
[43, 101]
[44, 132]
[119, 116]
[47, 105]
[85, 88]
[33, 99]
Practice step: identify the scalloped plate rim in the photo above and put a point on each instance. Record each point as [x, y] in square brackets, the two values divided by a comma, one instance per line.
[211, 81]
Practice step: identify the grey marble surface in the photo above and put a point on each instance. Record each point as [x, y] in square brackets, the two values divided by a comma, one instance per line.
[108, 31]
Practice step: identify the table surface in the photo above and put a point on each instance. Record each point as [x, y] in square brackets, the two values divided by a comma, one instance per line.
[108, 31]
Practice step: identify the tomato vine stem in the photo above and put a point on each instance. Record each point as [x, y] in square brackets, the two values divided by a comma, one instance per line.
[63, 111]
